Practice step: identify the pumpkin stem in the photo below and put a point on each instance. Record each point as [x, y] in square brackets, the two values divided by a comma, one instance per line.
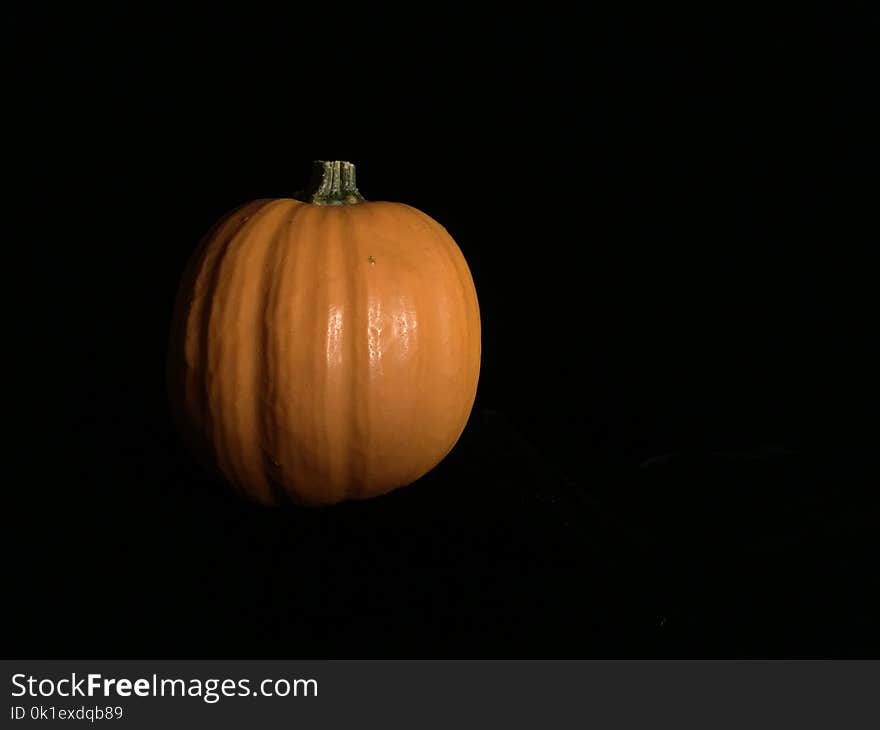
[333, 183]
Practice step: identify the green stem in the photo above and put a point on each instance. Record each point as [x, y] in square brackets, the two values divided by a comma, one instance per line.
[333, 183]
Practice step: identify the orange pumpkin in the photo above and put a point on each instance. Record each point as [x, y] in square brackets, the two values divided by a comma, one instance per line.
[324, 350]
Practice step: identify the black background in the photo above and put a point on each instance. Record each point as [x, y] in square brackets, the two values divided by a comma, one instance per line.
[668, 214]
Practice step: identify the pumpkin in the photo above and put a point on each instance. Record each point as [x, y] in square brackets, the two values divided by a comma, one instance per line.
[324, 349]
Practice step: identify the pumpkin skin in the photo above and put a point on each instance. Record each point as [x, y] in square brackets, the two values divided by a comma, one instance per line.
[321, 353]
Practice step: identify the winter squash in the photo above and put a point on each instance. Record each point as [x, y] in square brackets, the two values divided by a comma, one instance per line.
[324, 349]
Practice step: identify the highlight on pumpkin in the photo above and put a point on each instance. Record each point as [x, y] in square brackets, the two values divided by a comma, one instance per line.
[324, 348]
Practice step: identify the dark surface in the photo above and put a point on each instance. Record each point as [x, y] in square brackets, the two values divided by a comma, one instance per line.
[669, 220]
